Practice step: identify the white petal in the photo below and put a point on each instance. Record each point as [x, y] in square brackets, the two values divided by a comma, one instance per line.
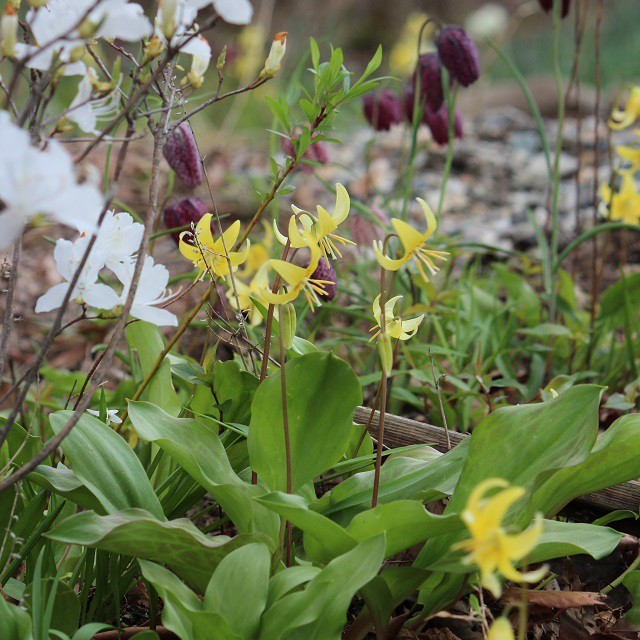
[78, 206]
[53, 298]
[11, 225]
[100, 296]
[234, 11]
[124, 21]
[154, 315]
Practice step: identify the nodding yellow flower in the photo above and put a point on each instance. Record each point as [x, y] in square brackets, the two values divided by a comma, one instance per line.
[630, 154]
[247, 293]
[298, 278]
[320, 227]
[490, 547]
[214, 257]
[501, 629]
[622, 205]
[413, 244]
[623, 118]
[395, 326]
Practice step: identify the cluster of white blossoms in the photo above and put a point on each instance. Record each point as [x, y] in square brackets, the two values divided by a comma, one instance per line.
[115, 249]
[34, 181]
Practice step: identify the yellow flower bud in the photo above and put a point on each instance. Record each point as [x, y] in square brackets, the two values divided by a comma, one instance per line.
[273, 62]
[386, 352]
[153, 48]
[287, 319]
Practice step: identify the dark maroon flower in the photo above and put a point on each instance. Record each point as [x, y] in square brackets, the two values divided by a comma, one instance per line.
[187, 211]
[383, 110]
[316, 152]
[458, 54]
[181, 152]
[409, 100]
[438, 124]
[364, 230]
[430, 69]
[547, 6]
[325, 271]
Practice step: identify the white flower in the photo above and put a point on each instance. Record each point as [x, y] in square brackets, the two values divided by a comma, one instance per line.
[118, 239]
[88, 290]
[86, 112]
[64, 18]
[234, 11]
[34, 181]
[201, 51]
[112, 415]
[152, 290]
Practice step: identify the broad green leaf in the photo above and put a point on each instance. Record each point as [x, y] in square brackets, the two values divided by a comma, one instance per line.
[63, 482]
[612, 301]
[199, 451]
[244, 571]
[183, 612]
[561, 539]
[234, 391]
[521, 294]
[147, 341]
[66, 605]
[135, 532]
[87, 631]
[322, 394]
[288, 580]
[401, 478]
[104, 462]
[319, 612]
[15, 623]
[615, 458]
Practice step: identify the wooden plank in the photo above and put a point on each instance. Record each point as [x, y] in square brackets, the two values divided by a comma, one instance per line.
[400, 432]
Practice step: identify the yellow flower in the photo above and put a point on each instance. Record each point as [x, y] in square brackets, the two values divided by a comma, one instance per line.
[413, 244]
[298, 278]
[501, 629]
[630, 154]
[623, 118]
[396, 327]
[247, 293]
[490, 547]
[209, 255]
[321, 227]
[621, 205]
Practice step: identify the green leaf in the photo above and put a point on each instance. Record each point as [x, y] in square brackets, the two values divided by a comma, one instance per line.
[319, 612]
[15, 623]
[147, 341]
[65, 605]
[615, 458]
[244, 571]
[322, 394]
[288, 580]
[104, 462]
[135, 532]
[63, 482]
[199, 451]
[632, 582]
[87, 631]
[234, 388]
[613, 300]
[183, 613]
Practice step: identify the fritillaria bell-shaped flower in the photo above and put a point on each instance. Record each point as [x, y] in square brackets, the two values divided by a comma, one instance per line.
[383, 110]
[429, 68]
[186, 212]
[181, 152]
[326, 272]
[438, 124]
[459, 54]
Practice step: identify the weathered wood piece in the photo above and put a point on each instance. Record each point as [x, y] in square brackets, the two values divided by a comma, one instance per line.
[400, 432]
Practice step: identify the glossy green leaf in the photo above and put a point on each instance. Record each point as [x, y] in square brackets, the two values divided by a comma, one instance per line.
[135, 532]
[632, 583]
[234, 390]
[104, 462]
[319, 612]
[244, 571]
[614, 459]
[322, 394]
[147, 341]
[199, 451]
[183, 612]
[63, 482]
[15, 623]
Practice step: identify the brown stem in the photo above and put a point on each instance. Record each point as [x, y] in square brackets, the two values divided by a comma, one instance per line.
[8, 309]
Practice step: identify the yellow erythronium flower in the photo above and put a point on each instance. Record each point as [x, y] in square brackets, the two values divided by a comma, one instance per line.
[490, 547]
[247, 293]
[623, 118]
[320, 227]
[501, 629]
[622, 205]
[630, 154]
[396, 327]
[209, 255]
[413, 244]
[298, 278]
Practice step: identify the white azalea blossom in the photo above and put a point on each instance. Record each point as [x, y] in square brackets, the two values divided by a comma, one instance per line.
[112, 415]
[234, 11]
[85, 111]
[118, 240]
[88, 290]
[151, 291]
[200, 49]
[61, 27]
[34, 182]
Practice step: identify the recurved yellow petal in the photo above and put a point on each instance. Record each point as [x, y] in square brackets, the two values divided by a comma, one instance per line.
[409, 237]
[429, 217]
[291, 273]
[384, 261]
[295, 237]
[343, 204]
